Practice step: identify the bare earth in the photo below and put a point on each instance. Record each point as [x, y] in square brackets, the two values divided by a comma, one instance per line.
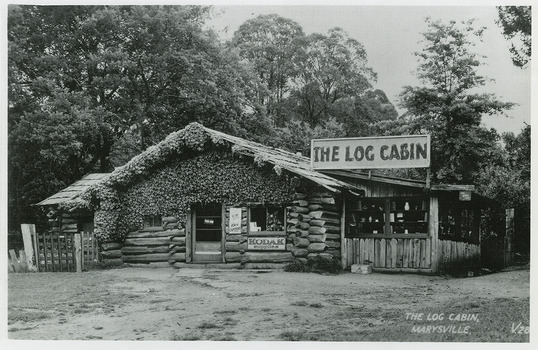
[144, 303]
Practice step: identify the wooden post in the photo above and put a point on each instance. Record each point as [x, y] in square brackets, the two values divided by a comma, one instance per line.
[28, 231]
[188, 238]
[343, 255]
[428, 179]
[509, 238]
[223, 238]
[78, 251]
[433, 230]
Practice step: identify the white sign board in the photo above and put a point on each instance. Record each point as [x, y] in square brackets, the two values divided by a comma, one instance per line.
[409, 151]
[235, 220]
[266, 243]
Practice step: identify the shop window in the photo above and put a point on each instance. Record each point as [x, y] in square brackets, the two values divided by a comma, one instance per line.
[262, 218]
[388, 216]
[152, 221]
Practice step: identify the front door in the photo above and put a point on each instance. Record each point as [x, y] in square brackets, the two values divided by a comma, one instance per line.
[207, 234]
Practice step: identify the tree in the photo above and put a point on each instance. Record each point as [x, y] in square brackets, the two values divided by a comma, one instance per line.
[332, 74]
[447, 107]
[516, 23]
[269, 43]
[111, 72]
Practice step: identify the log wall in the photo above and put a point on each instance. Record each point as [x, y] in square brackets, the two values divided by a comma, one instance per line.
[313, 225]
[396, 254]
[166, 243]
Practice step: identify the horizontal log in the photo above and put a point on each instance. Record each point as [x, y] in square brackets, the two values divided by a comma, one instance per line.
[300, 210]
[111, 246]
[322, 200]
[291, 229]
[303, 225]
[299, 195]
[169, 219]
[134, 250]
[300, 253]
[235, 247]
[155, 234]
[324, 222]
[267, 257]
[151, 229]
[147, 258]
[171, 225]
[177, 249]
[293, 215]
[317, 230]
[333, 236]
[236, 238]
[300, 203]
[301, 242]
[149, 241]
[317, 238]
[233, 257]
[317, 247]
[332, 244]
[267, 234]
[305, 217]
[293, 222]
[323, 214]
[177, 240]
[302, 260]
[263, 266]
[301, 233]
[111, 254]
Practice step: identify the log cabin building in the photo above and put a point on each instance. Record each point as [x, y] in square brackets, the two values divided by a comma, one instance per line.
[204, 197]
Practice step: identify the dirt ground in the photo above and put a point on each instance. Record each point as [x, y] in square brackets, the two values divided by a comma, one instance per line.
[144, 303]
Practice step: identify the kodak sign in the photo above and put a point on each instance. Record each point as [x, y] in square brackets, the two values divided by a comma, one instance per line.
[409, 151]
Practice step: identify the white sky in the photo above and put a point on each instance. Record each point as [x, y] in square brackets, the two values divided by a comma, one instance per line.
[391, 34]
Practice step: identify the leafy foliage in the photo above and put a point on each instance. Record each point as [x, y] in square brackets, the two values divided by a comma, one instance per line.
[317, 264]
[516, 23]
[445, 105]
[187, 180]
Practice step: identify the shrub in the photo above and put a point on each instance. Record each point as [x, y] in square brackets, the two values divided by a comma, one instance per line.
[317, 264]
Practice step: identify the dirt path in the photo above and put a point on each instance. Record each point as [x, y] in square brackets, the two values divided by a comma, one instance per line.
[200, 304]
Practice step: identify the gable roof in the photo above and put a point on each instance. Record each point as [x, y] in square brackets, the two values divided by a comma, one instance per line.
[195, 136]
[72, 192]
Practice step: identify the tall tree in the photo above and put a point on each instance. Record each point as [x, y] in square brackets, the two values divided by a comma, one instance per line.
[447, 106]
[332, 73]
[114, 72]
[269, 43]
[516, 23]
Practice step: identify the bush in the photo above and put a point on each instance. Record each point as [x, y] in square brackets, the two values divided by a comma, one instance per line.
[317, 264]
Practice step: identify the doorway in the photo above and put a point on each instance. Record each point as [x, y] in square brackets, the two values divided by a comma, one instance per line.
[207, 234]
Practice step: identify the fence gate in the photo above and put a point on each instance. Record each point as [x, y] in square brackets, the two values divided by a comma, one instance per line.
[56, 251]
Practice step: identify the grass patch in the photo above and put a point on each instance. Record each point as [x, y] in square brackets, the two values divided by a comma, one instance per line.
[26, 316]
[224, 312]
[316, 305]
[208, 325]
[291, 336]
[299, 303]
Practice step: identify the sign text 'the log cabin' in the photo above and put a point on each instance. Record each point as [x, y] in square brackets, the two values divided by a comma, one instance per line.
[409, 151]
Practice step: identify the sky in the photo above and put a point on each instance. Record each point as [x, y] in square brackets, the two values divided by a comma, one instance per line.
[391, 35]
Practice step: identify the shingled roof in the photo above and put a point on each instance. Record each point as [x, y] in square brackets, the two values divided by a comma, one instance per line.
[72, 192]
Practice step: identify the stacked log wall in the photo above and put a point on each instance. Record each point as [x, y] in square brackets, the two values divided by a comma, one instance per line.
[166, 243]
[314, 226]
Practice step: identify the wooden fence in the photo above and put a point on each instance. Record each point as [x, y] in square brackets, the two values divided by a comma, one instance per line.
[401, 254]
[64, 252]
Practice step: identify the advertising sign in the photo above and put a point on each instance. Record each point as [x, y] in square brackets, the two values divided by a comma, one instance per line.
[409, 151]
[266, 243]
[235, 220]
